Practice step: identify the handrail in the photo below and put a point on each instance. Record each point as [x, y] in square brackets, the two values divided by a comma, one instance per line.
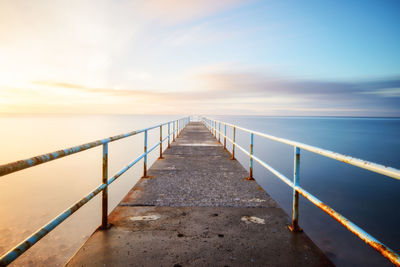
[33, 161]
[371, 166]
[363, 235]
[12, 167]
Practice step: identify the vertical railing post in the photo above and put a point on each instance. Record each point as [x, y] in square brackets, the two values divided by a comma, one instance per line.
[251, 157]
[215, 129]
[104, 210]
[145, 155]
[296, 179]
[173, 133]
[161, 157]
[169, 134]
[233, 142]
[219, 131]
[225, 137]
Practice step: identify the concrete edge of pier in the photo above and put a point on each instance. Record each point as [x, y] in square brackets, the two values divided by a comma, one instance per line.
[197, 208]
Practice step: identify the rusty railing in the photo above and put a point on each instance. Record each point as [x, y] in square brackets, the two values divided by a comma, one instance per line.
[5, 169]
[215, 127]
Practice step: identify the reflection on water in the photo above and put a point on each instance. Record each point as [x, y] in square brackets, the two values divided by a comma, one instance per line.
[370, 200]
[32, 197]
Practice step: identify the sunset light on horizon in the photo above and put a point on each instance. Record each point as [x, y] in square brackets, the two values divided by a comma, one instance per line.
[199, 133]
[281, 58]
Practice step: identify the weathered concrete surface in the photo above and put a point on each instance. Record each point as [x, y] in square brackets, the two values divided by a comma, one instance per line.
[196, 210]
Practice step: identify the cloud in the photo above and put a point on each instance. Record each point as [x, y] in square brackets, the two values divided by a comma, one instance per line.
[387, 92]
[261, 83]
[356, 98]
[253, 93]
[129, 57]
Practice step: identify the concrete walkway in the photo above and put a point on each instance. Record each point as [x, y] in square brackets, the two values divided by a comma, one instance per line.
[195, 210]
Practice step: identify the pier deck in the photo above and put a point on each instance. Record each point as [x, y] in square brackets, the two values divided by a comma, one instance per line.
[197, 209]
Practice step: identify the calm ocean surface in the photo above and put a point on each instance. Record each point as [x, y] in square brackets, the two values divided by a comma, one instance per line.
[32, 197]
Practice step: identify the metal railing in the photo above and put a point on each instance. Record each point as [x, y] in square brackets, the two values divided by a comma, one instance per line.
[212, 125]
[5, 169]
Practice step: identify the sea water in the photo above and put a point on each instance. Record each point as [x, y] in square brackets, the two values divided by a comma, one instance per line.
[32, 197]
[368, 199]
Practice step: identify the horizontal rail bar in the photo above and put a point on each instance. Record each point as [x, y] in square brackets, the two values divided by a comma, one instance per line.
[18, 250]
[363, 235]
[371, 166]
[127, 167]
[33, 161]
[15, 252]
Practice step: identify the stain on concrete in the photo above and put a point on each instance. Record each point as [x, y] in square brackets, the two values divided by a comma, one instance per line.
[198, 211]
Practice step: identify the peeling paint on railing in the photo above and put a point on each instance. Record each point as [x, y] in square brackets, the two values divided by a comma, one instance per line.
[388, 171]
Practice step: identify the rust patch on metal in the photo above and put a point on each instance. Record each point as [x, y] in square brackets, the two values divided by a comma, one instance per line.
[385, 252]
[296, 229]
[250, 177]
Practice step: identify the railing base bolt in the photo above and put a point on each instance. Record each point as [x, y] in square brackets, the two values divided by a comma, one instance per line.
[296, 229]
[109, 225]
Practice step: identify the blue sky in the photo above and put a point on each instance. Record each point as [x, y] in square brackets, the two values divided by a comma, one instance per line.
[205, 57]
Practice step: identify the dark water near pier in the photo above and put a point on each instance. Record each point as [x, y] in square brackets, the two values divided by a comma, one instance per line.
[30, 198]
[368, 199]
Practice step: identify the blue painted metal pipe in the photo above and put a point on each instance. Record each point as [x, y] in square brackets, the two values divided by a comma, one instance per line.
[296, 180]
[173, 136]
[225, 136]
[104, 210]
[251, 157]
[33, 161]
[219, 134]
[161, 143]
[364, 164]
[233, 143]
[169, 134]
[145, 156]
[14, 253]
[367, 238]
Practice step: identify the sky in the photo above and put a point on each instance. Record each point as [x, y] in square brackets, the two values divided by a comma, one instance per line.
[225, 57]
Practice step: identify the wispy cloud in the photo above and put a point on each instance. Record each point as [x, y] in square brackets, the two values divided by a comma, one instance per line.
[165, 57]
[247, 92]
